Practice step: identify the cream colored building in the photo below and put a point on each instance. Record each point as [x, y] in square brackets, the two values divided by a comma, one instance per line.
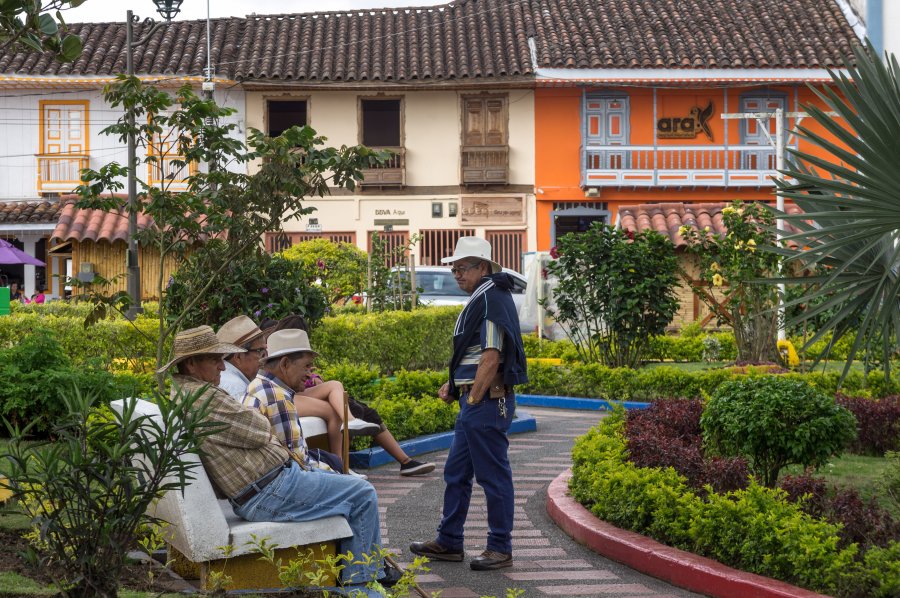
[464, 164]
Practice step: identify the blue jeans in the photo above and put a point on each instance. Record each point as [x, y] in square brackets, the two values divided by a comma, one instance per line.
[480, 449]
[298, 495]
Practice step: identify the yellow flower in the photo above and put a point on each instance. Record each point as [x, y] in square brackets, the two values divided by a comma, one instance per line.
[728, 210]
[788, 353]
[684, 230]
[706, 229]
[715, 267]
[717, 280]
[751, 245]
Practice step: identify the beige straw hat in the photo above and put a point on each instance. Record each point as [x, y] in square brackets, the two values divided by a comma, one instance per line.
[287, 341]
[198, 341]
[239, 331]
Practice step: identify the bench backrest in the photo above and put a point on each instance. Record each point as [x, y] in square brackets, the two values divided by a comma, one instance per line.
[198, 527]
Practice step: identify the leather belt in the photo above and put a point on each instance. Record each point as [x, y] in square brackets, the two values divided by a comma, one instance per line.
[256, 487]
[465, 388]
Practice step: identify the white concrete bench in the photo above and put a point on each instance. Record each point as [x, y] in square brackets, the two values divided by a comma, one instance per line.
[200, 526]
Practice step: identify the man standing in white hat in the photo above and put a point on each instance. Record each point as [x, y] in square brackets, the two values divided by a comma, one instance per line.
[241, 368]
[488, 359]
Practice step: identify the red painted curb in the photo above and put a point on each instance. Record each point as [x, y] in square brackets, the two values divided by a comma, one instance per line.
[678, 567]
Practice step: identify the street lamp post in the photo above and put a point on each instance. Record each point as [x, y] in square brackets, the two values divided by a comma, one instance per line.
[167, 10]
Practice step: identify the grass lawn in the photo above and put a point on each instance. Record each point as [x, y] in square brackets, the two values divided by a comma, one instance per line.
[856, 471]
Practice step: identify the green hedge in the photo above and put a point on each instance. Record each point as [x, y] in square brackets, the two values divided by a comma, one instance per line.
[684, 347]
[756, 529]
[624, 384]
[391, 341]
[101, 343]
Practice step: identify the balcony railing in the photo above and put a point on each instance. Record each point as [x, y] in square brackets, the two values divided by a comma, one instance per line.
[60, 172]
[678, 166]
[390, 174]
[485, 164]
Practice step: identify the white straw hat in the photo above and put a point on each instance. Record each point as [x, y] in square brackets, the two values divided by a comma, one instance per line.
[469, 247]
[198, 341]
[287, 341]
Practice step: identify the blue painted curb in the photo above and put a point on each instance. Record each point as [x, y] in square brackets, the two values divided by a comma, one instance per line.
[377, 456]
[586, 404]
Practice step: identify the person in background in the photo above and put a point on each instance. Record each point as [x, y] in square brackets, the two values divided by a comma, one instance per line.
[15, 293]
[240, 368]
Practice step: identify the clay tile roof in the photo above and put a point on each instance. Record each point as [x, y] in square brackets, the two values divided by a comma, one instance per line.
[95, 225]
[29, 212]
[687, 34]
[667, 218]
[176, 48]
[465, 39]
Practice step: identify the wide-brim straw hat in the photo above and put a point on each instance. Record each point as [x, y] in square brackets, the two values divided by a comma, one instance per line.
[198, 341]
[468, 247]
[288, 341]
[239, 331]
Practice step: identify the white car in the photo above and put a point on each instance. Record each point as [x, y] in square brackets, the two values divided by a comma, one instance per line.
[440, 288]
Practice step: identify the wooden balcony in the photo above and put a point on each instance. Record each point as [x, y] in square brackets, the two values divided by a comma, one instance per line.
[678, 166]
[60, 173]
[390, 174]
[485, 164]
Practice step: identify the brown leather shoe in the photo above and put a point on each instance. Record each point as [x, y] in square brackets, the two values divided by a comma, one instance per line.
[436, 552]
[490, 560]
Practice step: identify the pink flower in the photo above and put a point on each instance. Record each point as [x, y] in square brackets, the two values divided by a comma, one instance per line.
[554, 252]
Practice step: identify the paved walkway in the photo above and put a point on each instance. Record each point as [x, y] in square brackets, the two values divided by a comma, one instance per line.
[547, 561]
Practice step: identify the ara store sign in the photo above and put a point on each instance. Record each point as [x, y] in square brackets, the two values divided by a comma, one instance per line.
[687, 126]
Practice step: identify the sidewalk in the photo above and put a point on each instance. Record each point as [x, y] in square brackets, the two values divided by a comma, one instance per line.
[547, 561]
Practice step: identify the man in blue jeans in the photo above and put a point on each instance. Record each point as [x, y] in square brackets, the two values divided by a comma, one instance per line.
[488, 359]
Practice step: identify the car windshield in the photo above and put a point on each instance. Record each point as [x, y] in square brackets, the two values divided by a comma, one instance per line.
[438, 284]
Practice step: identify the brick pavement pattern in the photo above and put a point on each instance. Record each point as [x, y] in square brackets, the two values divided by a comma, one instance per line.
[547, 562]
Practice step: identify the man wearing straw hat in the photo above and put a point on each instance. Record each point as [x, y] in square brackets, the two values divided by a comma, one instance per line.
[241, 368]
[488, 359]
[249, 465]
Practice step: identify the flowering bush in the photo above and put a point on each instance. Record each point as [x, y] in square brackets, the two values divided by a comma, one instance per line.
[616, 291]
[257, 285]
[728, 263]
[339, 268]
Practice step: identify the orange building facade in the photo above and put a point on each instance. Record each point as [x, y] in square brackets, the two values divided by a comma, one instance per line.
[600, 146]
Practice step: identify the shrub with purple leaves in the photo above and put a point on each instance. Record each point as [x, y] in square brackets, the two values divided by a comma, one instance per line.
[667, 434]
[878, 424]
[862, 521]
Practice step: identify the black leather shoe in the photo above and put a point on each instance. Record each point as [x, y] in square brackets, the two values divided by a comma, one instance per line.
[490, 560]
[436, 552]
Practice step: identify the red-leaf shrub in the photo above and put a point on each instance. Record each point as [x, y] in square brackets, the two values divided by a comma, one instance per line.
[667, 434]
[878, 424]
[864, 522]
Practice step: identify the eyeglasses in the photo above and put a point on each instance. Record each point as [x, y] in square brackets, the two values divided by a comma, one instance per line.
[259, 352]
[462, 269]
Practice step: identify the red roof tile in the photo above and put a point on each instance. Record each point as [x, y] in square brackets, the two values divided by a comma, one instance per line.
[687, 34]
[95, 225]
[667, 218]
[472, 39]
[29, 212]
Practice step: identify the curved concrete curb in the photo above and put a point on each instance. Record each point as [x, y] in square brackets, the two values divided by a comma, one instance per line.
[678, 567]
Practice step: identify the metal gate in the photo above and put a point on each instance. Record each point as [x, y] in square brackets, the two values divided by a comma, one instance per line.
[439, 243]
[507, 247]
[392, 240]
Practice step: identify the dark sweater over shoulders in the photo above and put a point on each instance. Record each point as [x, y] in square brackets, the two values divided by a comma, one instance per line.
[491, 301]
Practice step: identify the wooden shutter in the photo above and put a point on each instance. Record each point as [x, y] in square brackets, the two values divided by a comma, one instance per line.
[485, 121]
